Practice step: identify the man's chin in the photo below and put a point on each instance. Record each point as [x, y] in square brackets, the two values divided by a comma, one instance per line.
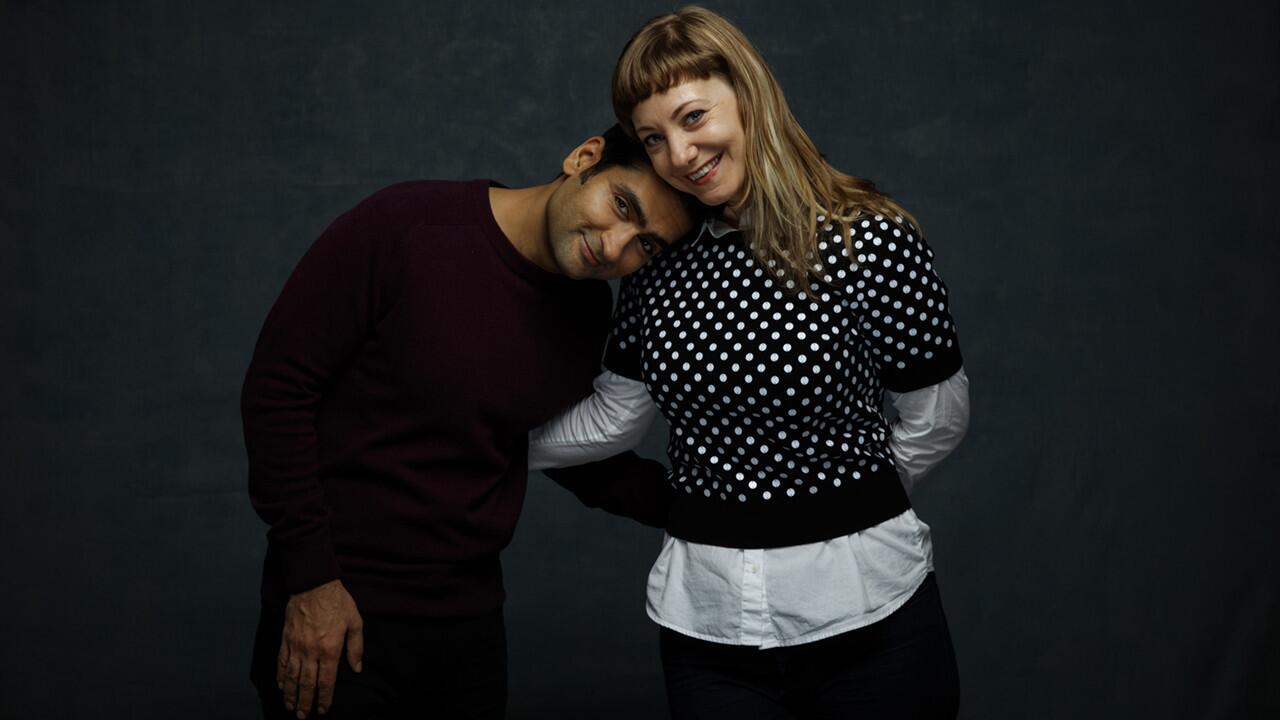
[577, 269]
[576, 272]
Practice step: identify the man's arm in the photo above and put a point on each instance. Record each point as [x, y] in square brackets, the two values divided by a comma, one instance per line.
[625, 484]
[596, 436]
[317, 325]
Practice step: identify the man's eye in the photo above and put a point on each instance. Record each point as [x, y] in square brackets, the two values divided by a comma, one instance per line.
[621, 204]
[650, 248]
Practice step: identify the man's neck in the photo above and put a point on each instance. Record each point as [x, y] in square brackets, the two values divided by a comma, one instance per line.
[522, 216]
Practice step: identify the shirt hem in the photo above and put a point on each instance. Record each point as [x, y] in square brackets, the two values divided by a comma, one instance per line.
[861, 621]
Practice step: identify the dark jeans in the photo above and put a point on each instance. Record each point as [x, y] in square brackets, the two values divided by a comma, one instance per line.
[412, 667]
[900, 667]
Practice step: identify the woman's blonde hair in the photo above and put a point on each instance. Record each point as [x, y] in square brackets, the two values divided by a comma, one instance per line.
[788, 184]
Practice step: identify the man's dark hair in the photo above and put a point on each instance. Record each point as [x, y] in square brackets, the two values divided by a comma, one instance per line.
[622, 150]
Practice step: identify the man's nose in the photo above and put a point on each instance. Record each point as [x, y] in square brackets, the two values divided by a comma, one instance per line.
[614, 242]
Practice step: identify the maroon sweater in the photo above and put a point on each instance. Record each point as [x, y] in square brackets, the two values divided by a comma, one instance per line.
[387, 406]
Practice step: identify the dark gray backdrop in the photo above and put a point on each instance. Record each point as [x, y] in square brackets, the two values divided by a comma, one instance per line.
[1099, 184]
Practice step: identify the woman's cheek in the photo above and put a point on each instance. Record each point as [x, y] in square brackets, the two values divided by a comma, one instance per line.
[676, 181]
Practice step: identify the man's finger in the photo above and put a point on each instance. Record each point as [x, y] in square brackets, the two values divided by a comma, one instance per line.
[291, 672]
[327, 678]
[282, 662]
[306, 688]
[355, 645]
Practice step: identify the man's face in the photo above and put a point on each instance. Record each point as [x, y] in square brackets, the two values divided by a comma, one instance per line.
[613, 223]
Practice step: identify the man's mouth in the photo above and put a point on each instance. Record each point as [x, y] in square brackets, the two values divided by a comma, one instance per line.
[590, 256]
[703, 173]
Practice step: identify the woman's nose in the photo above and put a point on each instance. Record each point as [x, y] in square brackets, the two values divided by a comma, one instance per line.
[683, 153]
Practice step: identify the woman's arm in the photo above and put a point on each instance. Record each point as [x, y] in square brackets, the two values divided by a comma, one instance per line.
[611, 420]
[931, 423]
[595, 437]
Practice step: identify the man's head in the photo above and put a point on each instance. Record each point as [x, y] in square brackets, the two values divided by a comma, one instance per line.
[611, 214]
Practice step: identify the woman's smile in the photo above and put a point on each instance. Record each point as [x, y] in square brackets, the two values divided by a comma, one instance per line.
[693, 133]
[702, 174]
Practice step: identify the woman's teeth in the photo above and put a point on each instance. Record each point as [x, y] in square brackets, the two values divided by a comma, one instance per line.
[701, 172]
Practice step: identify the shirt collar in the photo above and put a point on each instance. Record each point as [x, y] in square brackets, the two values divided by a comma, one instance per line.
[717, 227]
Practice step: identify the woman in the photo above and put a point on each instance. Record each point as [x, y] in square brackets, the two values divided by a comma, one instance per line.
[795, 579]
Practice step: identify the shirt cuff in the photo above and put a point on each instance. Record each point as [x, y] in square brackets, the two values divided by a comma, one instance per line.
[931, 423]
[613, 419]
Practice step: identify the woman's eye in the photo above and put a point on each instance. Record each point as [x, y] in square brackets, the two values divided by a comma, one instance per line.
[651, 140]
[694, 117]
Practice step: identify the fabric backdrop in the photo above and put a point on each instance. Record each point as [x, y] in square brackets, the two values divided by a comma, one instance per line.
[1099, 183]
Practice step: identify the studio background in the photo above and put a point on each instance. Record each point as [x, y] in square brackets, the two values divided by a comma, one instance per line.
[1099, 183]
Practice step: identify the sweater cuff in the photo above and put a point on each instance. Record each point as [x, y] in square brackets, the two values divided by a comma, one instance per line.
[307, 566]
[625, 485]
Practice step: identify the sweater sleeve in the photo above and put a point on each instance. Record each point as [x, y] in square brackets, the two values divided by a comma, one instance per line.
[625, 484]
[902, 306]
[323, 315]
[622, 354]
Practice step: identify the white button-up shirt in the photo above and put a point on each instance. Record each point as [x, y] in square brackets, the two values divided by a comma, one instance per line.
[783, 596]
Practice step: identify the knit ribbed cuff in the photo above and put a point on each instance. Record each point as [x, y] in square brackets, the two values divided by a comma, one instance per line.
[306, 566]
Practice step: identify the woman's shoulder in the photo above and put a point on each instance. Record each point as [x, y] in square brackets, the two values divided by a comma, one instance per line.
[871, 232]
[671, 265]
[849, 247]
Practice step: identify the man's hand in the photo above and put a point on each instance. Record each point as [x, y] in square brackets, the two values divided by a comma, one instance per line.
[316, 624]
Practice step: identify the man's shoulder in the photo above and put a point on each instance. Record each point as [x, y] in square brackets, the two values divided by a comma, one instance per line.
[380, 223]
[424, 199]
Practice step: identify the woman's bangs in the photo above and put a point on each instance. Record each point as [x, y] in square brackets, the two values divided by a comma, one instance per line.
[654, 70]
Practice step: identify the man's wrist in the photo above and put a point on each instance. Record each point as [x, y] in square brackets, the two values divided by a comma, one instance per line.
[307, 567]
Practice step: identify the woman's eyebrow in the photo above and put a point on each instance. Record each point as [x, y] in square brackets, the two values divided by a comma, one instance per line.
[674, 113]
[680, 108]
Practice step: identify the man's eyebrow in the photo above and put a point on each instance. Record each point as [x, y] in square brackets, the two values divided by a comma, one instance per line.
[629, 195]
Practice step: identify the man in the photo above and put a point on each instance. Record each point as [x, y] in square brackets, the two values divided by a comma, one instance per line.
[386, 413]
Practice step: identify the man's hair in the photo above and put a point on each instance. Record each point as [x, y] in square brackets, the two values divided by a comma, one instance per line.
[622, 150]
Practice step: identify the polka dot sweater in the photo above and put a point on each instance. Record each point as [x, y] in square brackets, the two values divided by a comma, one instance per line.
[774, 394]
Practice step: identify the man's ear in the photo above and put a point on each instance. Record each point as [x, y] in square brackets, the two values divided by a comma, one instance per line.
[584, 156]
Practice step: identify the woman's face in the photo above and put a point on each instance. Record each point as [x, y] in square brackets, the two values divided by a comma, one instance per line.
[695, 140]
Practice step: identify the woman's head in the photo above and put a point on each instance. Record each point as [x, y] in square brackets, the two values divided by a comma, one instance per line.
[695, 56]
[693, 135]
[680, 81]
